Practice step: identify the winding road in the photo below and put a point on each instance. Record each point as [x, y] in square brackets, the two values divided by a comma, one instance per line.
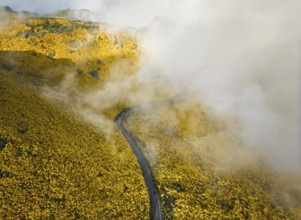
[154, 195]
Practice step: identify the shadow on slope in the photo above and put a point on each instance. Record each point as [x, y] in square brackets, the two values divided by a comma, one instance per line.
[52, 164]
[35, 67]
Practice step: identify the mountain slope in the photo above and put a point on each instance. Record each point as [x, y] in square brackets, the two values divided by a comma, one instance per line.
[53, 165]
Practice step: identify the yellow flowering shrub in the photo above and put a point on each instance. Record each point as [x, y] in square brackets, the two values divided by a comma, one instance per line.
[88, 46]
[52, 164]
[193, 158]
[55, 166]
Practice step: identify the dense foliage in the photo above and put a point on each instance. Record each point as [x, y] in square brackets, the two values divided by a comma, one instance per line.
[203, 173]
[52, 165]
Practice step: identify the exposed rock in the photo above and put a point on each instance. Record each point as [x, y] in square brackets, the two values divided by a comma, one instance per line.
[6, 9]
[79, 71]
[4, 174]
[94, 74]
[74, 44]
[27, 34]
[51, 55]
[2, 143]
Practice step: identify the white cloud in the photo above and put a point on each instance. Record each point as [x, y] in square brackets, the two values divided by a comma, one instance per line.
[242, 56]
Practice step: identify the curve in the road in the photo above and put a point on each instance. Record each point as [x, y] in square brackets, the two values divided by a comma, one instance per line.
[154, 195]
[155, 210]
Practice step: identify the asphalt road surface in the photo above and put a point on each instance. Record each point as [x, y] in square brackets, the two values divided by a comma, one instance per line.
[154, 195]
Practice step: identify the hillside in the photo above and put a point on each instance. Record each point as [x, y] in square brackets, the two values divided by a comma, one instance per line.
[52, 164]
[204, 173]
[62, 157]
[6, 9]
[83, 14]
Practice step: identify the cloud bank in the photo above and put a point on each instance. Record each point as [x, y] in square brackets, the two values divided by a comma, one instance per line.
[243, 58]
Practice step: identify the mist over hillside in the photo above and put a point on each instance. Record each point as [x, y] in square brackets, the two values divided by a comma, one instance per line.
[212, 89]
[242, 58]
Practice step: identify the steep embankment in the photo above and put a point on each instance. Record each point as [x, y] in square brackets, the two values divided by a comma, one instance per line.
[54, 166]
